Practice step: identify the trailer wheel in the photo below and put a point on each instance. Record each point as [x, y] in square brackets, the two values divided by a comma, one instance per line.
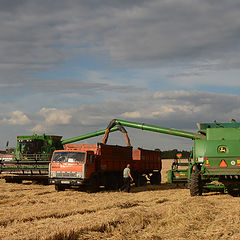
[155, 178]
[195, 183]
[59, 187]
[142, 181]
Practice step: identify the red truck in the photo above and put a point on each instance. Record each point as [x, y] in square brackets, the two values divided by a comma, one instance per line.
[91, 166]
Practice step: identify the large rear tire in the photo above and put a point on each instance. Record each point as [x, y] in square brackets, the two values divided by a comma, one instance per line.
[195, 183]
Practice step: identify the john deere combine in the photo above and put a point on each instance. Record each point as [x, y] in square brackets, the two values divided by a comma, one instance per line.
[215, 160]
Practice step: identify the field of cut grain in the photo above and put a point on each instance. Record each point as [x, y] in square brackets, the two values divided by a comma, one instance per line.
[30, 211]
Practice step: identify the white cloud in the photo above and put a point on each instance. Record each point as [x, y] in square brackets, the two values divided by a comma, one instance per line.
[39, 128]
[16, 118]
[134, 114]
[54, 116]
[179, 108]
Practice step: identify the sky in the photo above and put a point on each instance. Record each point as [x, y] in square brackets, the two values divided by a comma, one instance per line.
[69, 67]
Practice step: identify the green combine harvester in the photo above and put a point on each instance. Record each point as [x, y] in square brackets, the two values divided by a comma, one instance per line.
[32, 155]
[215, 160]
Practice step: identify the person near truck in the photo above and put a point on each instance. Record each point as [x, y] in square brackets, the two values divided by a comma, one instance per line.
[127, 178]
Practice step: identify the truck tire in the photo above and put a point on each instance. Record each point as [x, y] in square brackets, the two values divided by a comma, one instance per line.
[155, 178]
[93, 185]
[142, 181]
[112, 182]
[59, 187]
[195, 183]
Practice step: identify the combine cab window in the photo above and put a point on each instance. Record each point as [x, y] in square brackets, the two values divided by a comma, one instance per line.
[71, 157]
[30, 146]
[26, 147]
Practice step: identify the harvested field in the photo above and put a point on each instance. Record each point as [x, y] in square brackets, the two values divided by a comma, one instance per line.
[30, 211]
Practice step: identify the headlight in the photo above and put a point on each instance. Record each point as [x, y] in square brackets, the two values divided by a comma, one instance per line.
[79, 175]
[53, 174]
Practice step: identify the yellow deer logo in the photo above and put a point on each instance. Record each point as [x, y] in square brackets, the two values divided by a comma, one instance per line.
[222, 149]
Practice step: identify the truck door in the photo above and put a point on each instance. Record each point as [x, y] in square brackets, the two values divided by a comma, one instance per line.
[90, 166]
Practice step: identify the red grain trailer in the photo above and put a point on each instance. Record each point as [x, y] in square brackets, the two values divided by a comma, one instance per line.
[147, 164]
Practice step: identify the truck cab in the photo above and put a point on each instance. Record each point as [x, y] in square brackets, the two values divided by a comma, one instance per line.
[71, 167]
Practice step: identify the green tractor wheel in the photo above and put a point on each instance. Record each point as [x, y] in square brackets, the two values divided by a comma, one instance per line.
[195, 183]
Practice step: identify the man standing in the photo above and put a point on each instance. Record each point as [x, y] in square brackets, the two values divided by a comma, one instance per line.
[127, 177]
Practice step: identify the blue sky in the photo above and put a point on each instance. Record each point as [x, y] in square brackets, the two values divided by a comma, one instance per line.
[69, 67]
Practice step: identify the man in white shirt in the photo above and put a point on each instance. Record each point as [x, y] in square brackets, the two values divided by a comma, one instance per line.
[127, 177]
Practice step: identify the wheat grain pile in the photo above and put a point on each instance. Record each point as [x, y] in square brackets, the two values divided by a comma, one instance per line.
[30, 211]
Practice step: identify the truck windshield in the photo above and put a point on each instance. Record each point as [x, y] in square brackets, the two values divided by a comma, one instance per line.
[71, 157]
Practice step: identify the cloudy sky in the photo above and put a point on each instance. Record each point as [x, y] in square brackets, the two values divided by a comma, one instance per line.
[69, 67]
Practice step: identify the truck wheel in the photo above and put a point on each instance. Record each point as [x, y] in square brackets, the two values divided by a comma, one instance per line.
[112, 182]
[136, 178]
[155, 178]
[142, 181]
[158, 178]
[59, 187]
[93, 185]
[195, 183]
